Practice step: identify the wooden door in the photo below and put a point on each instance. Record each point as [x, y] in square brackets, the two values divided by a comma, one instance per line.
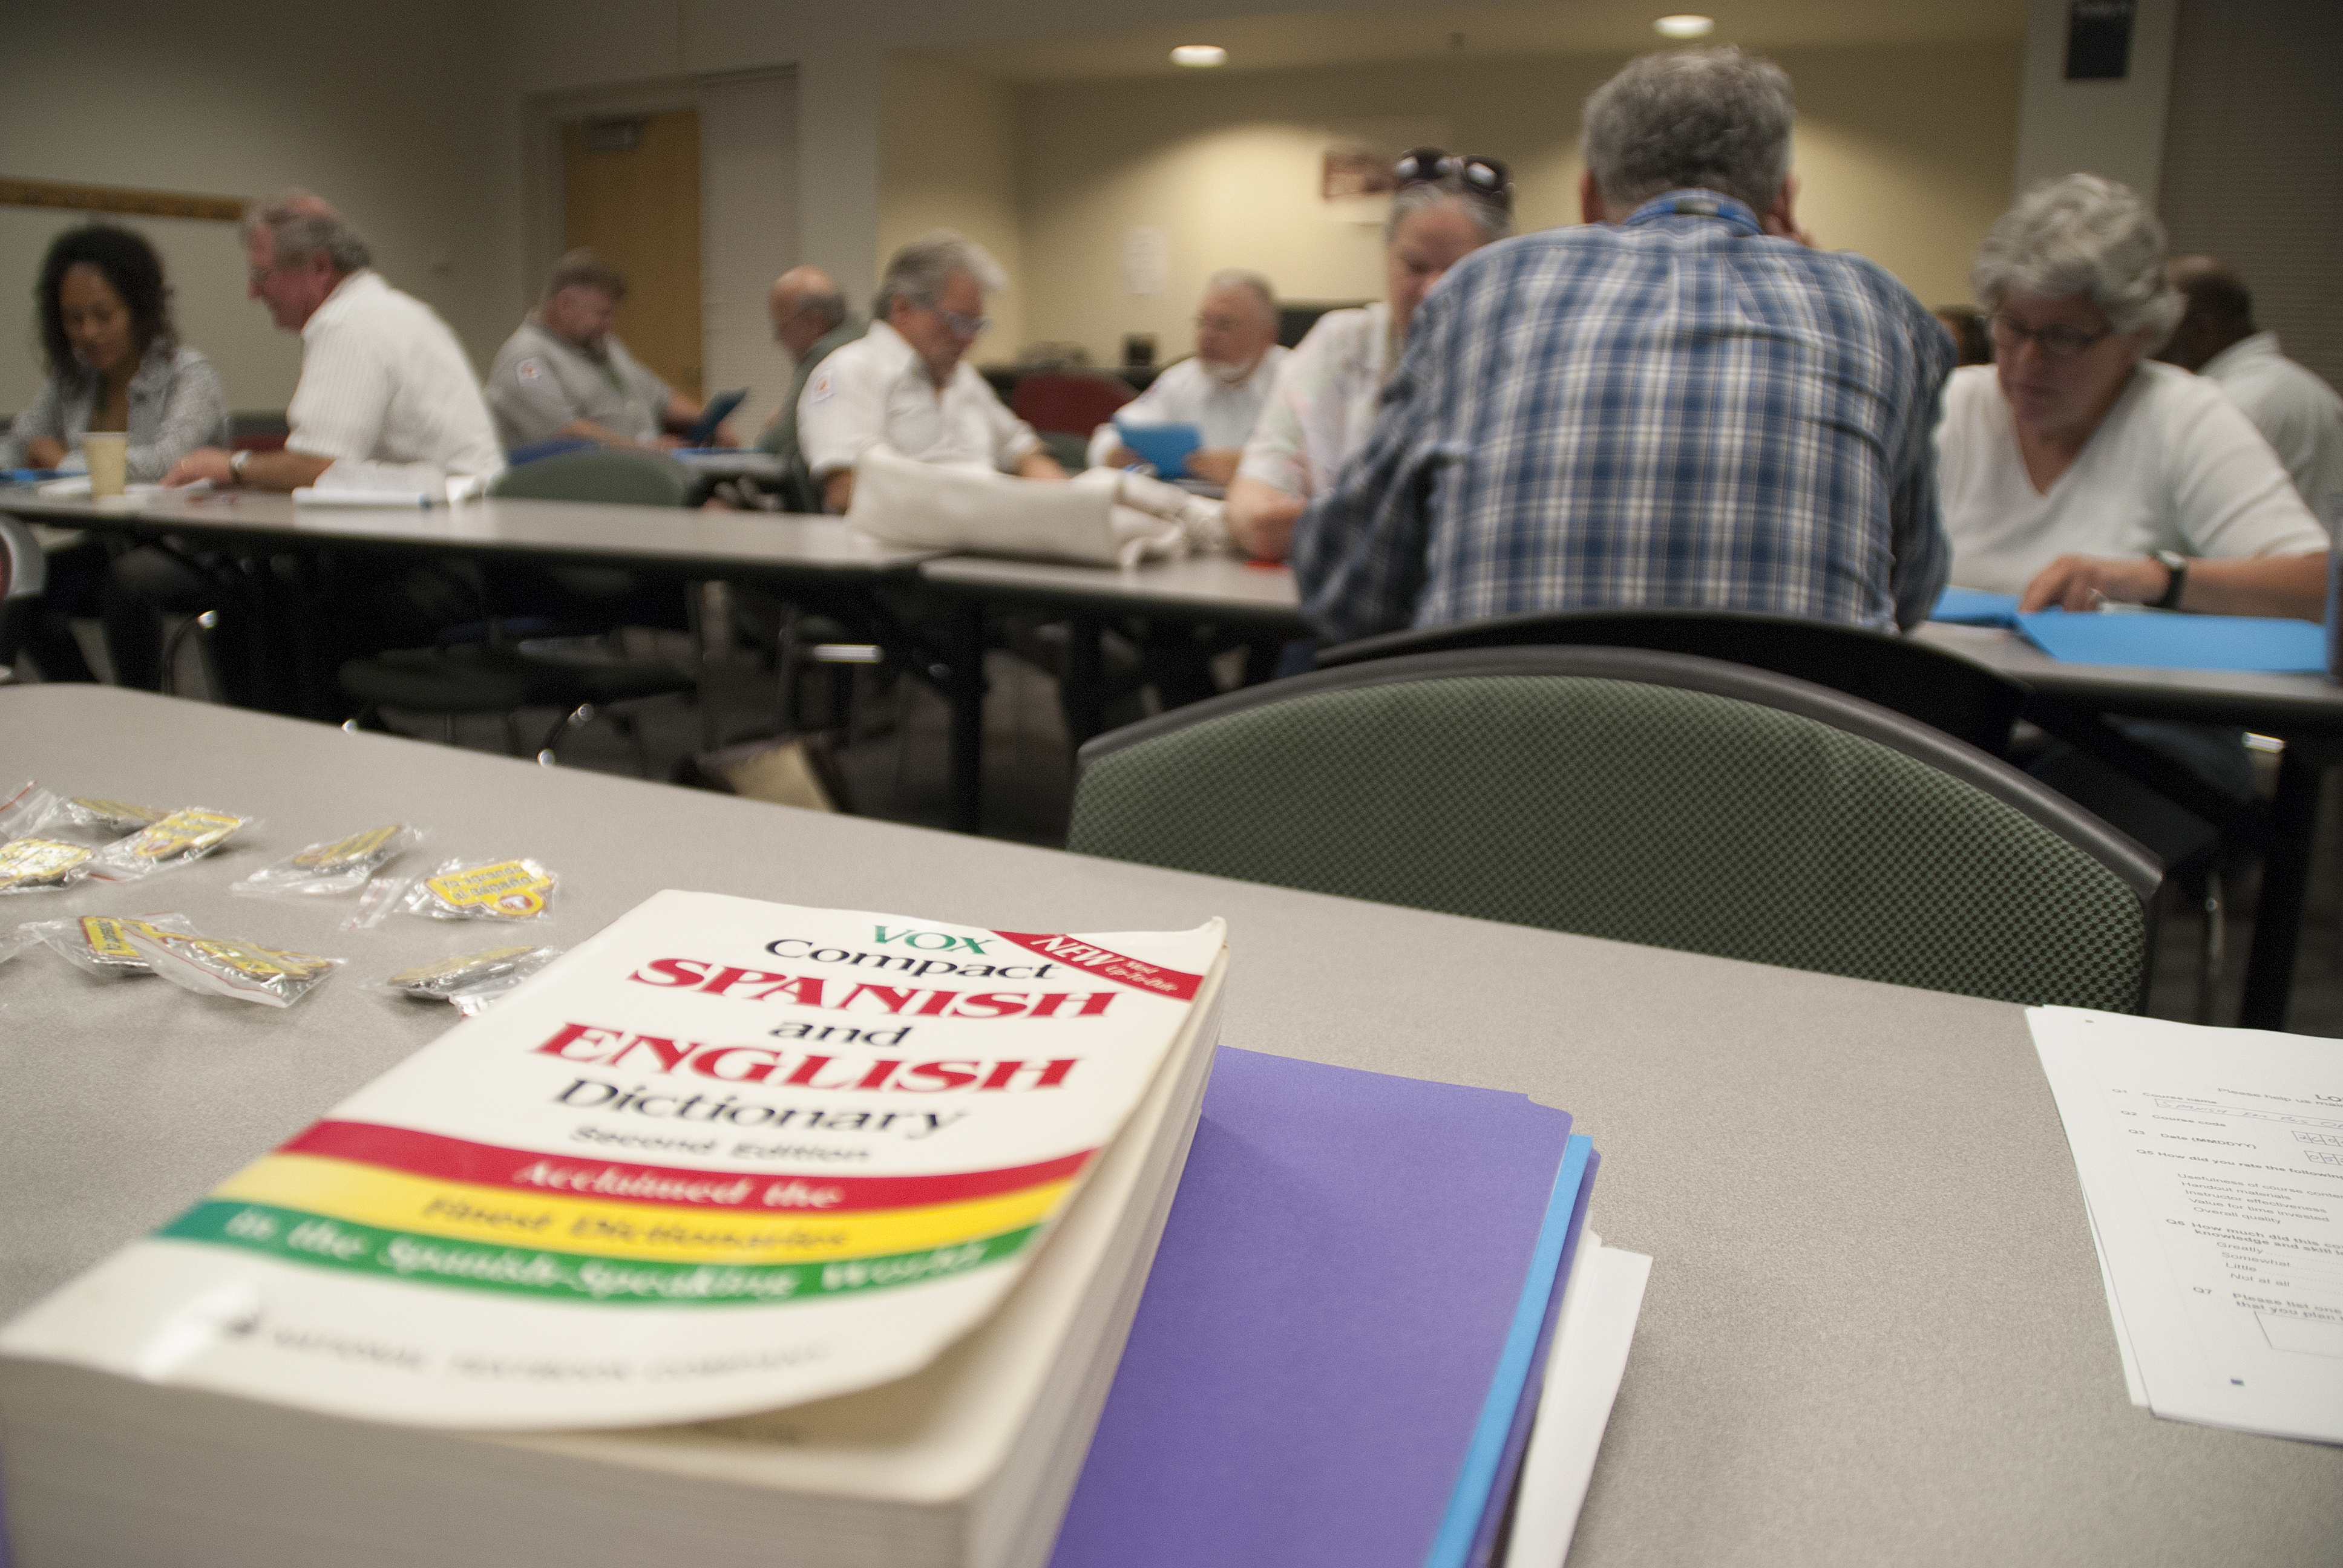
[630, 193]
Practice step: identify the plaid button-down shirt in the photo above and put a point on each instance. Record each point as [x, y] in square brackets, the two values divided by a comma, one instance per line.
[1676, 410]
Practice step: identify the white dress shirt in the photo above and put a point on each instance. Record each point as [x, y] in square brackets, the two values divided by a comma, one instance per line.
[1324, 402]
[2173, 466]
[876, 389]
[2297, 414]
[385, 387]
[1188, 394]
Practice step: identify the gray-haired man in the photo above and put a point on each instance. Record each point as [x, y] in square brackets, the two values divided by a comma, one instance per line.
[1673, 405]
[904, 382]
[810, 321]
[1220, 390]
[564, 373]
[385, 397]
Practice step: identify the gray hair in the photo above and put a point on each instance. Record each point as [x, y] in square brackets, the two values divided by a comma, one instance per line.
[1250, 282]
[300, 225]
[2082, 232]
[1715, 119]
[1492, 219]
[582, 268]
[921, 269]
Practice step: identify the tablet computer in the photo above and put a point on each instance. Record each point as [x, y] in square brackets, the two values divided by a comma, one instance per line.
[719, 407]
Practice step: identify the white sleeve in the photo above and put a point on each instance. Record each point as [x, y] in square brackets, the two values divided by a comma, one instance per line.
[342, 400]
[841, 412]
[2231, 495]
[1273, 454]
[1140, 411]
[1012, 438]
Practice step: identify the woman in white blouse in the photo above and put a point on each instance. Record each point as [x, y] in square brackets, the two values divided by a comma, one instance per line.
[1326, 392]
[2073, 470]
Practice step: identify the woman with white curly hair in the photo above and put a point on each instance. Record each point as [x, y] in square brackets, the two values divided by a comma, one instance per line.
[2073, 469]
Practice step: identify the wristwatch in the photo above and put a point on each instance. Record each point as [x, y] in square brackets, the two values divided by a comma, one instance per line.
[2177, 565]
[236, 462]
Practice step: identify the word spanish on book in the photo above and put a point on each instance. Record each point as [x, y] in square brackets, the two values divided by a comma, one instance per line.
[725, 1157]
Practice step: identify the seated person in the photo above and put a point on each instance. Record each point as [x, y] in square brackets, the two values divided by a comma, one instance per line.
[904, 382]
[564, 373]
[1326, 392]
[811, 321]
[385, 395]
[1676, 405]
[2297, 412]
[2075, 468]
[2075, 471]
[1220, 390]
[115, 362]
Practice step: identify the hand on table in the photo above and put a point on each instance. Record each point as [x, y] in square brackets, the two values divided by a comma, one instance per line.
[44, 452]
[203, 463]
[2081, 582]
[1261, 519]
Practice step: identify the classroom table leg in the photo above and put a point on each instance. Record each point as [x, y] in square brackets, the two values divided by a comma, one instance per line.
[966, 684]
[2286, 874]
[1084, 694]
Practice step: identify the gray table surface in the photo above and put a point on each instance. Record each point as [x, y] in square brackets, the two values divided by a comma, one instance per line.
[708, 543]
[1198, 586]
[2301, 704]
[1874, 1331]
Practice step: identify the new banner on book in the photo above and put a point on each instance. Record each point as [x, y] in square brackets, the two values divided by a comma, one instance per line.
[725, 1156]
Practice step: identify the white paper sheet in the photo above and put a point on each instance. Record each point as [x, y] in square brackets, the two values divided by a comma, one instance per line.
[1600, 1303]
[2212, 1162]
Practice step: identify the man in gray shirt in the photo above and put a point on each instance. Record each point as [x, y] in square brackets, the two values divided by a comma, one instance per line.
[564, 374]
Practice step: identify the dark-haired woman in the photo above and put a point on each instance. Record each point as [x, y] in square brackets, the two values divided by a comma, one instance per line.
[115, 363]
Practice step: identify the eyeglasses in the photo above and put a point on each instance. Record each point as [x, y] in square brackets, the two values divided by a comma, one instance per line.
[2058, 340]
[962, 326]
[1483, 177]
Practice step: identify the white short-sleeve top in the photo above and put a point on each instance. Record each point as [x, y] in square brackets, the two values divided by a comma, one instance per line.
[2173, 466]
[1323, 404]
[876, 389]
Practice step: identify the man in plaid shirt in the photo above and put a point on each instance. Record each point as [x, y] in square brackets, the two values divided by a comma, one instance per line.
[1679, 404]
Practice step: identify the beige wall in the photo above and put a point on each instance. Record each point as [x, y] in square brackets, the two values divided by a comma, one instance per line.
[397, 114]
[948, 159]
[1905, 154]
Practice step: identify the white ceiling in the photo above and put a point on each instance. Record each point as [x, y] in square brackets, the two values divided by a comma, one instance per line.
[1461, 31]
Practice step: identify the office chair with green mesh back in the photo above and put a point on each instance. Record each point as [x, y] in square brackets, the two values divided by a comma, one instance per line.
[1646, 796]
[497, 676]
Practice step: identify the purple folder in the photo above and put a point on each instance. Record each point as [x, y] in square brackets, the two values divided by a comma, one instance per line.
[1336, 1323]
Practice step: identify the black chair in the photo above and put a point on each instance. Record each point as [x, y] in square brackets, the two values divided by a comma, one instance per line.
[1647, 797]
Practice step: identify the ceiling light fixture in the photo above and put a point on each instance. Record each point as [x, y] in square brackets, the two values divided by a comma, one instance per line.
[1200, 55]
[1684, 26]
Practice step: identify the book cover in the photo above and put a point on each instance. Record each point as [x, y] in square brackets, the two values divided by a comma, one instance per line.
[724, 1157]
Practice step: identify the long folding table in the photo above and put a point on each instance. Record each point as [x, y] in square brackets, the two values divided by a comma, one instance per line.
[1875, 1332]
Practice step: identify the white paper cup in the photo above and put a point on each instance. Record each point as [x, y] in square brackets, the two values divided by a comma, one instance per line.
[108, 453]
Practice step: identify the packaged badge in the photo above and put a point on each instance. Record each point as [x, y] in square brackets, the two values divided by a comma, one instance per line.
[215, 966]
[186, 834]
[101, 943]
[25, 810]
[341, 866]
[43, 865]
[116, 817]
[473, 977]
[483, 890]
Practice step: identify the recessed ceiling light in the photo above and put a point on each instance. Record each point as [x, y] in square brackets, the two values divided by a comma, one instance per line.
[1200, 55]
[1684, 26]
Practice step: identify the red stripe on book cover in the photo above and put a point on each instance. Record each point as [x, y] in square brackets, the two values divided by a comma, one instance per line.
[486, 1164]
[1091, 959]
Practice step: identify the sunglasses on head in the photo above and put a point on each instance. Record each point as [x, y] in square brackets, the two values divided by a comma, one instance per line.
[1483, 177]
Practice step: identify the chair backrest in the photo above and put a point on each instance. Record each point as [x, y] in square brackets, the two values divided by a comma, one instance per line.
[1941, 689]
[23, 569]
[1652, 798]
[1074, 402]
[615, 473]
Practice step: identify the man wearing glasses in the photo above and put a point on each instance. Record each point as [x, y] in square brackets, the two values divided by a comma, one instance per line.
[904, 382]
[1677, 404]
[1220, 390]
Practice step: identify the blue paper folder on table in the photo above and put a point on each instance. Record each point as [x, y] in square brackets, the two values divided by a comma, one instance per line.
[1975, 607]
[2267, 644]
[1342, 1339]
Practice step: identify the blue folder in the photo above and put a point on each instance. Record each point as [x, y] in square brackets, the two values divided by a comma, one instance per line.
[2265, 644]
[1975, 607]
[1165, 446]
